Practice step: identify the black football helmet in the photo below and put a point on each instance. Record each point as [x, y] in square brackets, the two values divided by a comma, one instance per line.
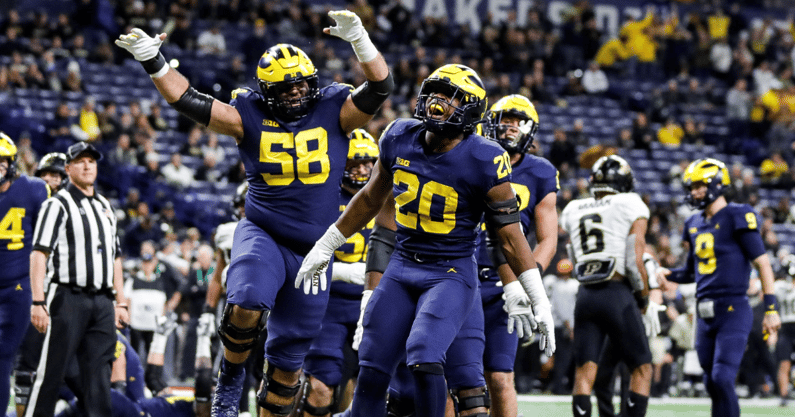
[454, 81]
[8, 150]
[280, 68]
[53, 162]
[611, 174]
[239, 202]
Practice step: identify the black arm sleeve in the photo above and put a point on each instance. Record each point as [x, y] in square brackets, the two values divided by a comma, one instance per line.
[369, 96]
[195, 105]
[380, 248]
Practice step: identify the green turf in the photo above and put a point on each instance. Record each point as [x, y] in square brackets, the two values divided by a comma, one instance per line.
[668, 409]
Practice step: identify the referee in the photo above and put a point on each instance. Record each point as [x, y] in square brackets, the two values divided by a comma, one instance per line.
[77, 228]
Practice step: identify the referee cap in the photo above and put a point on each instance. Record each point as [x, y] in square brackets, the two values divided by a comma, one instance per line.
[80, 148]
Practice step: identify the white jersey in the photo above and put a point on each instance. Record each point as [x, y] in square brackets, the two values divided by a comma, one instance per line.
[785, 293]
[598, 229]
[224, 236]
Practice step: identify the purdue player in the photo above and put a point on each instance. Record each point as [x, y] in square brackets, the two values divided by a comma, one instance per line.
[325, 362]
[724, 241]
[293, 139]
[785, 345]
[607, 243]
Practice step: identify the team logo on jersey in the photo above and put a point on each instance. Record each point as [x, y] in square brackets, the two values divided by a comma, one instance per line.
[18, 288]
[402, 162]
[693, 230]
[452, 270]
[271, 123]
[730, 309]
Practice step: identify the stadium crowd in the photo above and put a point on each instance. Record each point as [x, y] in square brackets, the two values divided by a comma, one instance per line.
[710, 60]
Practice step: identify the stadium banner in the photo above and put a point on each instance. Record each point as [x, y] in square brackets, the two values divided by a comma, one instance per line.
[609, 13]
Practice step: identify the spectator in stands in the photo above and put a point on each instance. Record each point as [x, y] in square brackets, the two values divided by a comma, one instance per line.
[255, 44]
[738, 107]
[577, 135]
[155, 117]
[89, 122]
[182, 36]
[63, 128]
[563, 154]
[764, 79]
[573, 86]
[122, 153]
[34, 78]
[192, 147]
[781, 211]
[624, 139]
[641, 42]
[642, 134]
[209, 171]
[73, 80]
[721, 56]
[693, 132]
[27, 159]
[168, 220]
[176, 174]
[213, 148]
[212, 41]
[142, 229]
[594, 80]
[694, 98]
[612, 54]
[772, 169]
[670, 134]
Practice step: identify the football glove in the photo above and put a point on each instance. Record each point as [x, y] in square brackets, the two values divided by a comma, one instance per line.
[352, 273]
[520, 314]
[357, 335]
[166, 323]
[313, 270]
[651, 319]
[206, 326]
[349, 28]
[142, 46]
[531, 282]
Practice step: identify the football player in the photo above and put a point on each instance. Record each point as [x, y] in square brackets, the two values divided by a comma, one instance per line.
[607, 242]
[51, 170]
[325, 361]
[293, 140]
[20, 200]
[785, 345]
[444, 177]
[513, 123]
[724, 241]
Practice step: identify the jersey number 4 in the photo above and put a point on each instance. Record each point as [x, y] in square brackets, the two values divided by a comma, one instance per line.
[11, 228]
[298, 166]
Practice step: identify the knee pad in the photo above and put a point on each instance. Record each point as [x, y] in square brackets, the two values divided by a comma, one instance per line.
[399, 407]
[228, 331]
[23, 383]
[471, 402]
[311, 409]
[277, 388]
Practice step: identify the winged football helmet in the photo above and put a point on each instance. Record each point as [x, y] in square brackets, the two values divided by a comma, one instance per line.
[709, 171]
[517, 106]
[611, 174]
[280, 68]
[8, 151]
[456, 82]
[362, 148]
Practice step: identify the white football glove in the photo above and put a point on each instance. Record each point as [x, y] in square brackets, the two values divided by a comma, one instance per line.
[651, 319]
[352, 273]
[357, 335]
[531, 282]
[142, 46]
[313, 269]
[520, 314]
[166, 323]
[349, 28]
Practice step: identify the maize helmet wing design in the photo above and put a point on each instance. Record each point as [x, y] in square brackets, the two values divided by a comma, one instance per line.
[363, 147]
[709, 171]
[517, 106]
[8, 150]
[280, 68]
[456, 82]
[611, 174]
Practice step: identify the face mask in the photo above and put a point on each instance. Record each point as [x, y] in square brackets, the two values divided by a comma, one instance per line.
[147, 256]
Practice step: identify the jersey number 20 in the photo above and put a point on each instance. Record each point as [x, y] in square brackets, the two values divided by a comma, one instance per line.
[11, 228]
[426, 193]
[297, 167]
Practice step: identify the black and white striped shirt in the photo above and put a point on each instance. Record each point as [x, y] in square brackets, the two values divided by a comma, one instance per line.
[80, 233]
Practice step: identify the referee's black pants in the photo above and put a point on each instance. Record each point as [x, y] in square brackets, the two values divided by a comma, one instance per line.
[81, 325]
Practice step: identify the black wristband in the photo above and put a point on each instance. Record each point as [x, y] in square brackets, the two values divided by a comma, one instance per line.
[40, 303]
[207, 309]
[152, 66]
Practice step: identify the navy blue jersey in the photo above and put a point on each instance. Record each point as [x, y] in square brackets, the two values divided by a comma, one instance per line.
[19, 209]
[721, 266]
[293, 169]
[440, 197]
[533, 179]
[354, 250]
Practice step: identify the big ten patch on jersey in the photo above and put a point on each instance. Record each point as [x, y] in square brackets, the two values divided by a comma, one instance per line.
[355, 248]
[293, 169]
[598, 229]
[440, 197]
[19, 209]
[721, 265]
